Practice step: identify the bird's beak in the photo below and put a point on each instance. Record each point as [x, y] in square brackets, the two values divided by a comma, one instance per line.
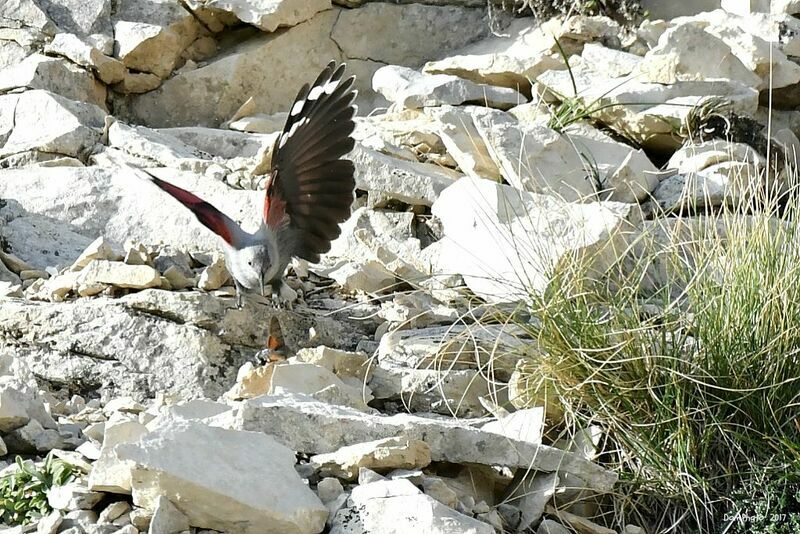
[262, 287]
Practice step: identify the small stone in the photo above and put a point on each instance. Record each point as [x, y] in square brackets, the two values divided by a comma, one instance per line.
[481, 508]
[49, 524]
[73, 496]
[548, 526]
[493, 518]
[123, 404]
[14, 263]
[113, 511]
[119, 274]
[127, 529]
[177, 279]
[439, 490]
[33, 274]
[140, 518]
[95, 431]
[99, 249]
[367, 476]
[137, 82]
[390, 453]
[511, 515]
[328, 489]
[214, 276]
[167, 519]
[137, 255]
[82, 519]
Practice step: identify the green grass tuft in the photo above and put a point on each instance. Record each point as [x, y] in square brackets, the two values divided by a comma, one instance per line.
[23, 493]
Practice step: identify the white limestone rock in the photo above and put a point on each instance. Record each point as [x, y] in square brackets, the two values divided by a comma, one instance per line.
[436, 389]
[47, 122]
[675, 58]
[118, 274]
[381, 455]
[151, 36]
[73, 496]
[463, 141]
[268, 15]
[344, 364]
[479, 215]
[247, 483]
[111, 473]
[167, 519]
[306, 425]
[579, 163]
[410, 89]
[70, 46]
[383, 506]
[56, 75]
[159, 147]
[385, 178]
[647, 113]
[118, 203]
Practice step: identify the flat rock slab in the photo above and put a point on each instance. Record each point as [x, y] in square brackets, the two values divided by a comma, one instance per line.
[223, 479]
[411, 89]
[309, 426]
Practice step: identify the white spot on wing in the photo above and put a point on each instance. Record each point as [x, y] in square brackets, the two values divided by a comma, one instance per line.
[330, 87]
[315, 92]
[295, 127]
[298, 107]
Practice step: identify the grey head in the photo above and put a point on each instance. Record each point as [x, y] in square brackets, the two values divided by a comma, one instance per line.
[254, 261]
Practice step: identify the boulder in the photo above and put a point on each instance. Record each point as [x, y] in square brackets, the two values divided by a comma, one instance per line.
[247, 483]
[89, 20]
[374, 248]
[47, 122]
[438, 390]
[480, 216]
[578, 163]
[405, 34]
[108, 69]
[56, 75]
[209, 94]
[150, 36]
[675, 58]
[410, 89]
[647, 113]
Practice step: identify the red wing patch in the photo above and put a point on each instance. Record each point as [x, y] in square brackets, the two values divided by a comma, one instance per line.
[208, 215]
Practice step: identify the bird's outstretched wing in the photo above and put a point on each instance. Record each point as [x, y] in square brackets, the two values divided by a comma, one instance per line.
[310, 189]
[207, 214]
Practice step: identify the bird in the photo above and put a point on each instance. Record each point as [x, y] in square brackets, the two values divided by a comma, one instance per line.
[308, 193]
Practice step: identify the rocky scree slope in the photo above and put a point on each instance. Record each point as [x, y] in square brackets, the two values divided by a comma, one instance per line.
[390, 389]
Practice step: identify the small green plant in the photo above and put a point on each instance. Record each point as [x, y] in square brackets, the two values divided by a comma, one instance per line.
[770, 506]
[23, 493]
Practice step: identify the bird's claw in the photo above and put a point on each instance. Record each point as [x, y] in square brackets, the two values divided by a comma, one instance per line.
[283, 297]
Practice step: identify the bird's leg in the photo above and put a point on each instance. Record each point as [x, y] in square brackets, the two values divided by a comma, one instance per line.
[239, 293]
[282, 295]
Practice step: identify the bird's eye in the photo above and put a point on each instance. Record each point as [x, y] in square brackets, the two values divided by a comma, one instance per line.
[250, 263]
